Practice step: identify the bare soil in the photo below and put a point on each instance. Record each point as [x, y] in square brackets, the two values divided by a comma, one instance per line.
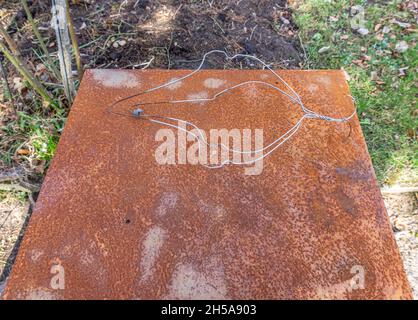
[170, 33]
[14, 215]
[403, 214]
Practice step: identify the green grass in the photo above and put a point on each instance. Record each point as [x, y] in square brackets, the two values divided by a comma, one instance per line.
[387, 108]
[38, 133]
[13, 196]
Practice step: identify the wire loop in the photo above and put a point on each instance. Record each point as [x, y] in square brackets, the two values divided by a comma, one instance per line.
[292, 95]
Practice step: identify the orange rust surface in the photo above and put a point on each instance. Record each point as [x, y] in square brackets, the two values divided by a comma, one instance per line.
[123, 227]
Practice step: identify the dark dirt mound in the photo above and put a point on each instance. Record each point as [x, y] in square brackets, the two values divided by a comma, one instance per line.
[127, 34]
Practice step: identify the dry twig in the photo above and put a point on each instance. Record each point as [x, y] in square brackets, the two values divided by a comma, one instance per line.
[74, 42]
[41, 41]
[64, 46]
[24, 71]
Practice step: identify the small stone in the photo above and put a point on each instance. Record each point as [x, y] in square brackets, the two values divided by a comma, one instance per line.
[399, 224]
[284, 20]
[119, 43]
[363, 31]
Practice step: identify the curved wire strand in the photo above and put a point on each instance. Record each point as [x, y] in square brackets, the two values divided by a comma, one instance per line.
[293, 96]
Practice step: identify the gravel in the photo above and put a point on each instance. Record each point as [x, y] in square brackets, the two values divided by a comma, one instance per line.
[403, 214]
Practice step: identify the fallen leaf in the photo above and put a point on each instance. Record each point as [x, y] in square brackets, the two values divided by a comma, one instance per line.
[344, 37]
[358, 63]
[18, 84]
[374, 76]
[401, 46]
[365, 57]
[377, 27]
[363, 31]
[386, 29]
[403, 25]
[411, 133]
[40, 69]
[324, 49]
[402, 71]
[379, 37]
[23, 152]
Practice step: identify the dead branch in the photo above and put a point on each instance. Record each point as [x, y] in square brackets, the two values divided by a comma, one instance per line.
[60, 24]
[9, 41]
[40, 40]
[74, 42]
[6, 87]
[399, 190]
[24, 71]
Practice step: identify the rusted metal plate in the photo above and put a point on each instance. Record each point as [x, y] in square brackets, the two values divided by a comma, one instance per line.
[112, 223]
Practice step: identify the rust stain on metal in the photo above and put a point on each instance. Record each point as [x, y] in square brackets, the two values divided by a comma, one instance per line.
[123, 227]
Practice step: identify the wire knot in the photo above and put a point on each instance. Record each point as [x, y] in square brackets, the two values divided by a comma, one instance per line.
[137, 112]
